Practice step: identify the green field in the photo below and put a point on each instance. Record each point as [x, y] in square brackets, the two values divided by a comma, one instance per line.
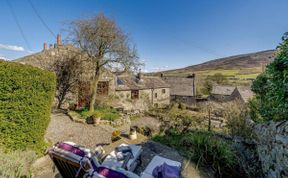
[235, 77]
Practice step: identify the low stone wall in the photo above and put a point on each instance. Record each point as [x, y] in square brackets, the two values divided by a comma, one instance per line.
[272, 148]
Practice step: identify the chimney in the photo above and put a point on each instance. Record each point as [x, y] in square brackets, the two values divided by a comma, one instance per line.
[193, 76]
[44, 46]
[59, 40]
[140, 76]
[50, 46]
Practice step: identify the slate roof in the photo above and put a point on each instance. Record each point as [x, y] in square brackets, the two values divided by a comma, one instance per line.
[180, 86]
[222, 90]
[245, 93]
[133, 83]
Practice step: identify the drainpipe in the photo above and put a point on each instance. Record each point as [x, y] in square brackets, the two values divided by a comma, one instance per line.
[152, 96]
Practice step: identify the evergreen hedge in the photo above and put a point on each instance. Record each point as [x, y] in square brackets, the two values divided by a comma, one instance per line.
[26, 96]
[271, 88]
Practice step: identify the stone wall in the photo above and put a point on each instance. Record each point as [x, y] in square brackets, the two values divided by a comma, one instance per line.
[272, 148]
[162, 98]
[145, 98]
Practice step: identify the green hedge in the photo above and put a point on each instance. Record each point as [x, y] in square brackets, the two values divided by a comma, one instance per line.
[26, 96]
[271, 88]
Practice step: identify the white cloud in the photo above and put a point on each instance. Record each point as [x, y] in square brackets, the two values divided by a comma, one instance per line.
[12, 47]
[159, 69]
[4, 58]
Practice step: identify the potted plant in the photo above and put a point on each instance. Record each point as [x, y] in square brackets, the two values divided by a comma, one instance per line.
[115, 135]
[96, 118]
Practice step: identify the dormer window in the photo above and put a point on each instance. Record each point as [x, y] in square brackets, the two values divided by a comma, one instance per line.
[120, 82]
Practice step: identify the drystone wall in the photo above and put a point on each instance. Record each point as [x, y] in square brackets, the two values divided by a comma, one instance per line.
[272, 148]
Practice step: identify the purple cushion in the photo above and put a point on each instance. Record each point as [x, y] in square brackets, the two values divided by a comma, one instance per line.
[71, 148]
[166, 171]
[108, 173]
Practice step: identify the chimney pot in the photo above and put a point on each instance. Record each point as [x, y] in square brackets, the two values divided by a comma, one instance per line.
[44, 46]
[59, 40]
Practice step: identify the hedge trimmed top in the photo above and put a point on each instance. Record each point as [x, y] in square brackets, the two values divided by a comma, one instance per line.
[26, 96]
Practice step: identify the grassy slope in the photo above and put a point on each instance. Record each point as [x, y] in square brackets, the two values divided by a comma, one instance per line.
[242, 67]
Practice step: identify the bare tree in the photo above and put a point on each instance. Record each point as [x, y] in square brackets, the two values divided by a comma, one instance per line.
[208, 109]
[105, 45]
[68, 70]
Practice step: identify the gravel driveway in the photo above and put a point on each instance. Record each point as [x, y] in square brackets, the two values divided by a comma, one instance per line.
[61, 128]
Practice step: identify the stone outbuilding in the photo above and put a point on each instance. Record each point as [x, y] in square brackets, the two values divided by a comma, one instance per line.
[229, 93]
[182, 89]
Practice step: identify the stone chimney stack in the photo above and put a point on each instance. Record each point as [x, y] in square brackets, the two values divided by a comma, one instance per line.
[140, 76]
[59, 40]
[193, 76]
[44, 46]
[50, 46]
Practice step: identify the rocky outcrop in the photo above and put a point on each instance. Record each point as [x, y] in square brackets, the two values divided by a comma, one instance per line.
[272, 148]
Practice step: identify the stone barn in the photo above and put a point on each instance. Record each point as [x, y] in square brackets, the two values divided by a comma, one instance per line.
[229, 93]
[182, 89]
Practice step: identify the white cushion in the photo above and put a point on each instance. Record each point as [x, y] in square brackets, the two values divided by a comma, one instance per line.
[111, 159]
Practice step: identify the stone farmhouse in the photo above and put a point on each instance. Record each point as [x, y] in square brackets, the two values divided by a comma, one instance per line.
[123, 90]
[182, 89]
[229, 93]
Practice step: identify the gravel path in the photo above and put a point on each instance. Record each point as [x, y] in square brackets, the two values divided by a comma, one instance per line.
[61, 128]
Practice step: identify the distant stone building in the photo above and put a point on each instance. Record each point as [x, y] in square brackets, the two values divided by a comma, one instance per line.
[230, 93]
[182, 89]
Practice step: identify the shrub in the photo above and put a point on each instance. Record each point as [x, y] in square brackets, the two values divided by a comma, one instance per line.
[254, 110]
[271, 87]
[210, 151]
[26, 96]
[204, 149]
[175, 119]
[106, 113]
[182, 106]
[236, 114]
[16, 164]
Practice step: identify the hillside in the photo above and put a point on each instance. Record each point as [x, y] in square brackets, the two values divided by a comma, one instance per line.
[238, 62]
[238, 70]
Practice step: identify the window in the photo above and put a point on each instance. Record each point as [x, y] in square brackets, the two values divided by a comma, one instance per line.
[103, 88]
[163, 91]
[135, 94]
[155, 95]
[120, 82]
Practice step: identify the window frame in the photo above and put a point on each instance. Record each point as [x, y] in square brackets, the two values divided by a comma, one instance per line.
[134, 94]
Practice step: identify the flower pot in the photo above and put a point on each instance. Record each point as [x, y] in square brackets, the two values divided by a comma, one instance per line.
[96, 120]
[133, 134]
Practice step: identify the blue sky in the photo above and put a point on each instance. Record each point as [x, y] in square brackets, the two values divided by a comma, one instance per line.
[168, 33]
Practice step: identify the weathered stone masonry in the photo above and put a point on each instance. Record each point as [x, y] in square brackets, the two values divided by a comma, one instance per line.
[272, 148]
